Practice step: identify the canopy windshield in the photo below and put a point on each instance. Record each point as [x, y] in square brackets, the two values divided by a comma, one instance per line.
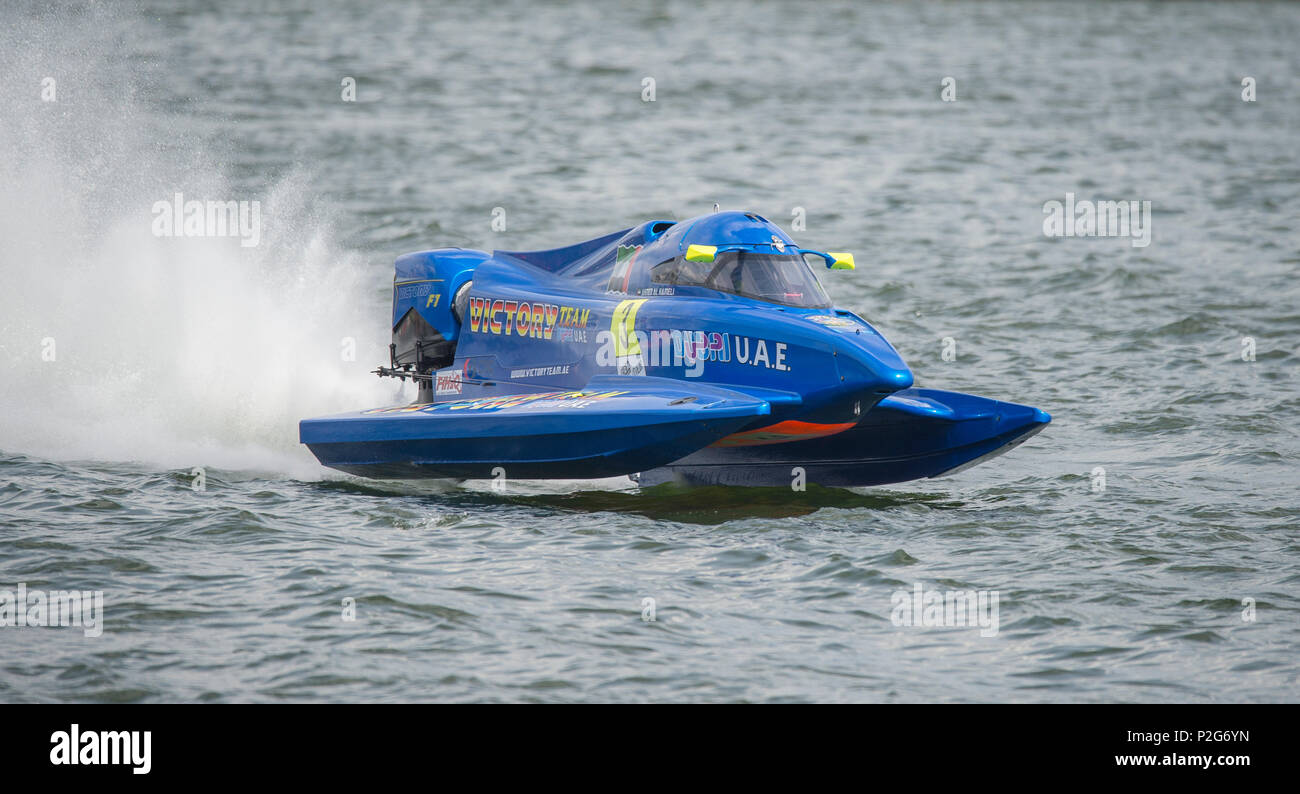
[777, 278]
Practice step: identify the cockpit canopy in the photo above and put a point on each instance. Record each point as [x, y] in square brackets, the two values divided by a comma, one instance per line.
[777, 278]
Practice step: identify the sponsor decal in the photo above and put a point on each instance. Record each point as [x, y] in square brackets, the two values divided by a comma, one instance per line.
[448, 382]
[567, 399]
[574, 318]
[757, 355]
[627, 345]
[521, 318]
[398, 409]
[411, 290]
[832, 322]
[657, 291]
[699, 345]
[677, 347]
[539, 372]
[632, 352]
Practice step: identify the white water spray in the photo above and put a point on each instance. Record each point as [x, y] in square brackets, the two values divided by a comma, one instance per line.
[119, 345]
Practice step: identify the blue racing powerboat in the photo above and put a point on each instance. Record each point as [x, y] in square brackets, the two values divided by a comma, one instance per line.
[702, 351]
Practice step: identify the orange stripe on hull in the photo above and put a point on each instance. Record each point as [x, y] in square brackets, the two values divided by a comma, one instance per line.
[782, 433]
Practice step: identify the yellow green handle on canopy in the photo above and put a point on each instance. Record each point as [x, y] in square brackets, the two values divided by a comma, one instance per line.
[701, 253]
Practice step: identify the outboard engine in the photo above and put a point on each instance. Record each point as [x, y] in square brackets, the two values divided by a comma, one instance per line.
[430, 294]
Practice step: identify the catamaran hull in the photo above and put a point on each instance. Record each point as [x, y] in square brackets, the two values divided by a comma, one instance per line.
[703, 350]
[611, 428]
[913, 434]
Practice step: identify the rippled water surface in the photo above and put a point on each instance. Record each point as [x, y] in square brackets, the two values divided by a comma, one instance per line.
[173, 356]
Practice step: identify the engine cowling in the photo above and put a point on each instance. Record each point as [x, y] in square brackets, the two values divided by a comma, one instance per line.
[430, 290]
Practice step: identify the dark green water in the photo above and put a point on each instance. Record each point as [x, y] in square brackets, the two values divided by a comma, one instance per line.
[177, 354]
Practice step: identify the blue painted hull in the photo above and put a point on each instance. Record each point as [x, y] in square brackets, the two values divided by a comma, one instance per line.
[703, 350]
[611, 428]
[913, 434]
